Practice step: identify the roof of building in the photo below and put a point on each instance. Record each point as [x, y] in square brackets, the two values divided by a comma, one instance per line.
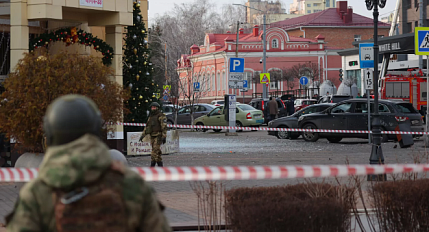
[328, 17]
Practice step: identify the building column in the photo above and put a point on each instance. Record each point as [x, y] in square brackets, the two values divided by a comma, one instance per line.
[115, 139]
[19, 31]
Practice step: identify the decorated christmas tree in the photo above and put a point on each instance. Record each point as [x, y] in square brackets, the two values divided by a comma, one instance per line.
[138, 70]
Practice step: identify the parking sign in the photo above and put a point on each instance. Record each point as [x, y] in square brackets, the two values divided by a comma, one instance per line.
[236, 65]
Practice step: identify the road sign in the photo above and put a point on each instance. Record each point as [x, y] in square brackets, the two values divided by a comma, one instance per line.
[235, 84]
[369, 79]
[167, 89]
[265, 78]
[421, 36]
[236, 65]
[303, 80]
[366, 55]
[236, 76]
[245, 84]
[196, 86]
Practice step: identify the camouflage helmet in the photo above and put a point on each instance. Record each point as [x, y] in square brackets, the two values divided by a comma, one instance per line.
[155, 104]
[70, 117]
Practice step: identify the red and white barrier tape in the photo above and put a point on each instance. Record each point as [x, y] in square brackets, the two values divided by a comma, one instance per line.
[240, 172]
[279, 129]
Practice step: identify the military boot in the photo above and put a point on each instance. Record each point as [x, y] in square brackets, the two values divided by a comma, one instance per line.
[152, 164]
[160, 164]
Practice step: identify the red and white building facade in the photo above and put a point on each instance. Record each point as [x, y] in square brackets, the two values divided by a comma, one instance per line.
[209, 63]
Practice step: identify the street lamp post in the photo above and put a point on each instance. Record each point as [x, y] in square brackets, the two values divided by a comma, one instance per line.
[376, 157]
[264, 57]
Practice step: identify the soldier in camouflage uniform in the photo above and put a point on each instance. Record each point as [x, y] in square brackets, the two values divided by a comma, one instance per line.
[79, 187]
[156, 127]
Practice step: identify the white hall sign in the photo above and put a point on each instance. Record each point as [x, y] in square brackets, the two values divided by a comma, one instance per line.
[135, 147]
[92, 3]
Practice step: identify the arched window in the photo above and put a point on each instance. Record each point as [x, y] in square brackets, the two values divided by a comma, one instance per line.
[213, 80]
[275, 43]
[224, 81]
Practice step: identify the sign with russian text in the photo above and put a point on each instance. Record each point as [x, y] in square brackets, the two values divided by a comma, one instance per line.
[92, 3]
[135, 147]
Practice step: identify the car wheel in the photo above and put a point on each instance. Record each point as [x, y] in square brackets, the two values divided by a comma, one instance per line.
[170, 122]
[282, 134]
[334, 139]
[310, 136]
[217, 130]
[200, 129]
[238, 124]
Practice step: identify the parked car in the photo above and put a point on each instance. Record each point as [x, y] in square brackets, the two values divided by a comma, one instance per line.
[333, 98]
[218, 102]
[353, 115]
[245, 115]
[261, 104]
[292, 121]
[302, 103]
[168, 109]
[184, 114]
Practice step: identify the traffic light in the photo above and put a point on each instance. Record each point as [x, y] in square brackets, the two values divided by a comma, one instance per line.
[353, 63]
[341, 74]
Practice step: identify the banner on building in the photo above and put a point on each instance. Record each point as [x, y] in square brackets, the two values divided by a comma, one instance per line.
[92, 3]
[135, 147]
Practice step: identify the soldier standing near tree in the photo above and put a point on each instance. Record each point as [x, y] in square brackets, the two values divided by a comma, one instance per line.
[156, 128]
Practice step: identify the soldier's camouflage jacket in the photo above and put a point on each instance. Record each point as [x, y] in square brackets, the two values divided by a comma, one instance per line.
[76, 164]
[156, 125]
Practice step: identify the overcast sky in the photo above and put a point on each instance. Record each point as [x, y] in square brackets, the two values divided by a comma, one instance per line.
[159, 7]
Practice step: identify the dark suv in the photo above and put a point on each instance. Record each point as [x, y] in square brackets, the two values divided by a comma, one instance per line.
[262, 104]
[333, 98]
[353, 115]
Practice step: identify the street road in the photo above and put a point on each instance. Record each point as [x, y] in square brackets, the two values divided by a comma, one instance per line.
[248, 148]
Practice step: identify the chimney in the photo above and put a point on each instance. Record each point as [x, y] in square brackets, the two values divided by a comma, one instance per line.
[320, 38]
[341, 7]
[240, 31]
[349, 14]
[194, 49]
[256, 31]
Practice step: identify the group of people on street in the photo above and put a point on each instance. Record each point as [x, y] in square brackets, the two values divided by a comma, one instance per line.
[273, 108]
[79, 186]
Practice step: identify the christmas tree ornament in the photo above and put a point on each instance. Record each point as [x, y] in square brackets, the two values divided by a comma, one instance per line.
[140, 71]
[141, 97]
[150, 63]
[135, 51]
[134, 98]
[132, 119]
[131, 85]
[145, 41]
[143, 31]
[147, 74]
[145, 63]
[138, 77]
[140, 44]
[138, 18]
[137, 88]
[146, 101]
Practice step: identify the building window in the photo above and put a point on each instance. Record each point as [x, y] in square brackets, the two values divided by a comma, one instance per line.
[409, 28]
[416, 3]
[218, 82]
[315, 4]
[248, 77]
[317, 11]
[358, 38]
[308, 5]
[309, 11]
[275, 43]
[328, 3]
[408, 3]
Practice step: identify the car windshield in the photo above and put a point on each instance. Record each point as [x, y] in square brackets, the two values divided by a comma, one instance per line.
[406, 108]
[221, 102]
[245, 107]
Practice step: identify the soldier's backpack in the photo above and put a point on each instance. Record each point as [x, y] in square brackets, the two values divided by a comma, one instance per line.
[96, 208]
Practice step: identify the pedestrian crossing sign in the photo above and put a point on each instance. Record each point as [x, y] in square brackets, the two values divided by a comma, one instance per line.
[265, 78]
[421, 37]
[167, 89]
